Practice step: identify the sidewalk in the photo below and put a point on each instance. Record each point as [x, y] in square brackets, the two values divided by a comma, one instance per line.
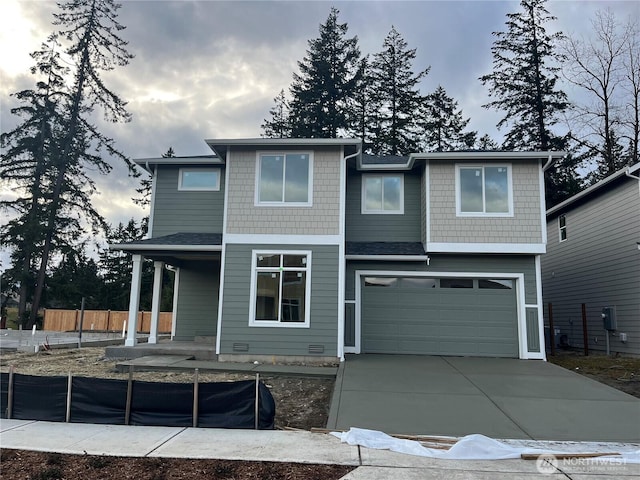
[297, 447]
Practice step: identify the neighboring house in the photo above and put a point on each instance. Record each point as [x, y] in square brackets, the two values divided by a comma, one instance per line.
[593, 258]
[308, 249]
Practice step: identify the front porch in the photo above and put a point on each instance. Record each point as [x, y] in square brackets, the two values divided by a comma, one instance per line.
[199, 349]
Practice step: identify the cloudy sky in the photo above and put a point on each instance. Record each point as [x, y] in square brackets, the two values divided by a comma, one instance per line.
[210, 69]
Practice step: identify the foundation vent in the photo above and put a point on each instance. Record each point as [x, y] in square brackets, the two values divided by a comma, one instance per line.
[316, 348]
[240, 347]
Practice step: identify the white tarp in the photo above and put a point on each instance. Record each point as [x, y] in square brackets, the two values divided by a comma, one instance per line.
[471, 447]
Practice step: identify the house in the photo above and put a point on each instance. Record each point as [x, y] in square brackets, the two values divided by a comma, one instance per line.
[593, 258]
[309, 249]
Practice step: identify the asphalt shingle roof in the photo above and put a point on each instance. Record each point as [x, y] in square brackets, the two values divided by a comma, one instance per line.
[182, 238]
[384, 248]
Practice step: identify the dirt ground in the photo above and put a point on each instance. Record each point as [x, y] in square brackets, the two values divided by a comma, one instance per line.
[621, 373]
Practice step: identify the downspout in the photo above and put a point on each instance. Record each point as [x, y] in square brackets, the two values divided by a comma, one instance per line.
[343, 262]
[550, 162]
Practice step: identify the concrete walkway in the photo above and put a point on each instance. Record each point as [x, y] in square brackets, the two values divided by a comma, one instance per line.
[297, 447]
[499, 398]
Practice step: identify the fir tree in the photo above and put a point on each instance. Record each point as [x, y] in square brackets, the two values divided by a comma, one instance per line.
[395, 98]
[328, 77]
[444, 124]
[279, 125]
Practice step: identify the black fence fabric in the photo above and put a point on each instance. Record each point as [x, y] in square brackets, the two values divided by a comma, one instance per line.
[98, 400]
[104, 401]
[40, 398]
[4, 393]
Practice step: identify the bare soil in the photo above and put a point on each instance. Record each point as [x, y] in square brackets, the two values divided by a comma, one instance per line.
[301, 403]
[621, 373]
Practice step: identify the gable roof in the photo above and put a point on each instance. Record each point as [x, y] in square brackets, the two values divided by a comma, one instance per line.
[219, 146]
[597, 188]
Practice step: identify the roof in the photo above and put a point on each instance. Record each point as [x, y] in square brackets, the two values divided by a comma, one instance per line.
[190, 160]
[594, 189]
[219, 146]
[183, 241]
[368, 249]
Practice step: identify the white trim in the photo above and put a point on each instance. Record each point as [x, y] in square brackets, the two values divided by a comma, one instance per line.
[502, 155]
[438, 247]
[227, 175]
[169, 248]
[158, 271]
[390, 258]
[342, 263]
[427, 207]
[214, 188]
[220, 297]
[363, 194]
[484, 213]
[540, 305]
[258, 239]
[519, 288]
[252, 292]
[560, 228]
[283, 203]
[543, 205]
[193, 160]
[154, 182]
[349, 301]
[176, 289]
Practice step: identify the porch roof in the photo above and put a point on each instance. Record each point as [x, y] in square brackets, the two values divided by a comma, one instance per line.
[385, 251]
[176, 242]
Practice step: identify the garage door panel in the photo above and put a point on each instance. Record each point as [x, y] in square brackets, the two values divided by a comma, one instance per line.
[439, 321]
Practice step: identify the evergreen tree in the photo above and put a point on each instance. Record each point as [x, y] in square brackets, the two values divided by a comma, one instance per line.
[524, 79]
[395, 98]
[74, 145]
[278, 126]
[74, 278]
[444, 124]
[363, 112]
[328, 77]
[486, 143]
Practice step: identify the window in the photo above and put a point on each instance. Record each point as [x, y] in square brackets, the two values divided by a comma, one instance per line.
[380, 282]
[562, 227]
[202, 179]
[484, 191]
[284, 178]
[456, 283]
[495, 284]
[383, 194]
[281, 289]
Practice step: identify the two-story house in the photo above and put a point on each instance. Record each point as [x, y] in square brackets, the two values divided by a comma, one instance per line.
[309, 249]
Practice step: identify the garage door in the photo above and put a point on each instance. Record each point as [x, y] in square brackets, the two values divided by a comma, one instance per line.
[439, 316]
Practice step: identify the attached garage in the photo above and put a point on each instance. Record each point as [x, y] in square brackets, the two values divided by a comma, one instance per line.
[450, 315]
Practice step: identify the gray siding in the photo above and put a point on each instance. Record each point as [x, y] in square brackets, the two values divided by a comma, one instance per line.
[323, 329]
[456, 263]
[598, 265]
[197, 309]
[381, 228]
[184, 211]
[533, 332]
[350, 325]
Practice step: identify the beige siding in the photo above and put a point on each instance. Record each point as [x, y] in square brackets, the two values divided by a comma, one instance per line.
[524, 227]
[322, 218]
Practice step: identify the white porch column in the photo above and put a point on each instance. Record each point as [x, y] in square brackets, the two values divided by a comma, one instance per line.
[134, 301]
[155, 302]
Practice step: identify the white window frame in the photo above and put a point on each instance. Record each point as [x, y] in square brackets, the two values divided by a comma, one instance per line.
[214, 188]
[562, 228]
[363, 190]
[460, 213]
[283, 203]
[254, 285]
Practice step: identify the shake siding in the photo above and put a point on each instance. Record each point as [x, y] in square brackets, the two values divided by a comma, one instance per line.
[524, 227]
[197, 309]
[599, 265]
[381, 228]
[185, 211]
[280, 340]
[322, 218]
[459, 263]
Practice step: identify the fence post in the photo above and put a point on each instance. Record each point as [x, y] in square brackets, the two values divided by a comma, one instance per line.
[552, 331]
[127, 408]
[585, 334]
[10, 393]
[257, 402]
[195, 398]
[68, 415]
[108, 320]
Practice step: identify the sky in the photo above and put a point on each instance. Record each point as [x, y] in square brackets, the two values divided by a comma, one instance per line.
[210, 69]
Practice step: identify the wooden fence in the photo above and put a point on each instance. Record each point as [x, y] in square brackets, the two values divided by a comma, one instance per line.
[101, 320]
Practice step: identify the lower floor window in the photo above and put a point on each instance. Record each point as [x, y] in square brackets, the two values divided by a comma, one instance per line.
[281, 286]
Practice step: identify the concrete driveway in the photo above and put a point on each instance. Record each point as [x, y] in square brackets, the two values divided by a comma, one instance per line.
[500, 398]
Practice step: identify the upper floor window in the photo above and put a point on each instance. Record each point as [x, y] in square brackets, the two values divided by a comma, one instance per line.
[383, 193]
[284, 179]
[199, 179]
[562, 227]
[281, 289]
[484, 191]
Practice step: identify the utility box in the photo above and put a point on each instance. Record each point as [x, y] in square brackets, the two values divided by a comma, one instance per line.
[609, 318]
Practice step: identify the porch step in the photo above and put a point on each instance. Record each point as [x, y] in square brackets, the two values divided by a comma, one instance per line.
[152, 362]
[192, 350]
